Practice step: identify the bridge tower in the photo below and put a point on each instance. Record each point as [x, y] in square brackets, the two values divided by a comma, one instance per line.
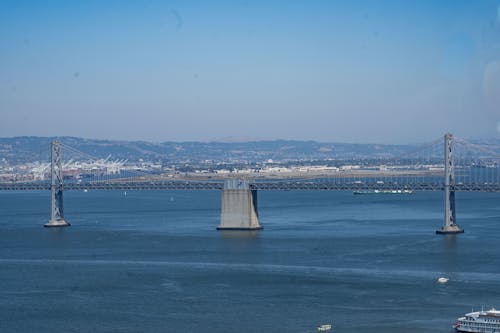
[450, 226]
[56, 189]
[239, 207]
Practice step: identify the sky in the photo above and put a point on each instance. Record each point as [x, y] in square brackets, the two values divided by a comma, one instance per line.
[333, 71]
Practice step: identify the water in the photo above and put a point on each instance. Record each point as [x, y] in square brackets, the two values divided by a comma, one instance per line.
[153, 262]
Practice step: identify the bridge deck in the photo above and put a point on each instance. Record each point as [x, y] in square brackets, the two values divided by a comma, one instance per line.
[261, 186]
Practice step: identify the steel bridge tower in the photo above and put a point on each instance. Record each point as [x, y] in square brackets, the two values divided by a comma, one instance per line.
[450, 226]
[56, 207]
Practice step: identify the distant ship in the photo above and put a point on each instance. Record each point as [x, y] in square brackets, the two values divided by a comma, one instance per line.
[383, 192]
[324, 327]
[479, 322]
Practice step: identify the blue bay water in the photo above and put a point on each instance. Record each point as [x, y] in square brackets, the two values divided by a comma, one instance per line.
[152, 261]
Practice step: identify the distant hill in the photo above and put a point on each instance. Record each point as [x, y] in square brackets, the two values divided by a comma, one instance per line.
[30, 149]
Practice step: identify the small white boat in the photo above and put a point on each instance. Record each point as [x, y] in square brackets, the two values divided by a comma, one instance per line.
[324, 327]
[443, 280]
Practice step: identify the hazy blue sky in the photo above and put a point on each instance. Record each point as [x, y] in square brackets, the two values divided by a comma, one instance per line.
[352, 71]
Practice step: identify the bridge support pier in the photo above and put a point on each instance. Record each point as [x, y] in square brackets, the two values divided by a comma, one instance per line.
[239, 207]
[56, 189]
[450, 226]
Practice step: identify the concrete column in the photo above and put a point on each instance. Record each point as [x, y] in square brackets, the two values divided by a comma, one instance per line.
[56, 189]
[449, 226]
[239, 207]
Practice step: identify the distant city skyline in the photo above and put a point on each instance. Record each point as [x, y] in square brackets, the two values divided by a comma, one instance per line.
[330, 71]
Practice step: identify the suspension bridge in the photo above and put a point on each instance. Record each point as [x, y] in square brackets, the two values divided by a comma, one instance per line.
[450, 165]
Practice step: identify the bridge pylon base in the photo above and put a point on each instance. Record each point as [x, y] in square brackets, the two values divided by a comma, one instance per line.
[451, 229]
[56, 223]
[239, 228]
[239, 207]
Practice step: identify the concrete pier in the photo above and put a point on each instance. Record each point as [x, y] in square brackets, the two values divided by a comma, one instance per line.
[450, 226]
[239, 207]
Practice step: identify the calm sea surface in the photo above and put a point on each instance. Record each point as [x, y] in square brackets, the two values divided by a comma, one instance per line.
[153, 262]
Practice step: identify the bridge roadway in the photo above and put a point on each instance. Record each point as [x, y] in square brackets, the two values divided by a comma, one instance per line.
[282, 185]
